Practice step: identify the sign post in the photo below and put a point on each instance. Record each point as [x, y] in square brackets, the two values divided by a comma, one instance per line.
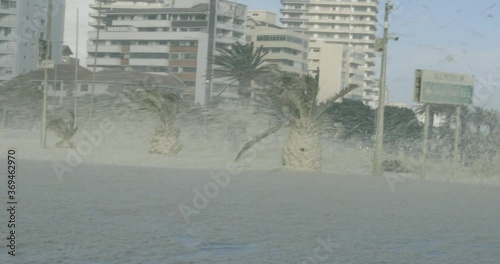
[457, 140]
[433, 87]
[426, 136]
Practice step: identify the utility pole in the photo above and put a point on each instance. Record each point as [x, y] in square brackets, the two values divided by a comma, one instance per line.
[75, 92]
[379, 137]
[212, 20]
[95, 62]
[43, 137]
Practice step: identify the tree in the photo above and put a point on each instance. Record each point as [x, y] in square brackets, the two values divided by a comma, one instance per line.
[401, 127]
[357, 119]
[492, 120]
[65, 130]
[437, 109]
[22, 100]
[291, 99]
[164, 104]
[478, 117]
[241, 63]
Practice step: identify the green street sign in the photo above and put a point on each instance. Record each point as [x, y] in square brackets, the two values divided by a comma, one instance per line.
[443, 93]
[443, 88]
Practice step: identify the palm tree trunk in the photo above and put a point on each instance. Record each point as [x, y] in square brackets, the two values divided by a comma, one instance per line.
[302, 149]
[165, 141]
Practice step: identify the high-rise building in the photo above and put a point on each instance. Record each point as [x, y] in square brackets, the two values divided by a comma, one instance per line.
[352, 23]
[285, 48]
[22, 25]
[168, 37]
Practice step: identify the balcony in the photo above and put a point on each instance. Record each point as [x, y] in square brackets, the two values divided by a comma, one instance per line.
[347, 3]
[8, 11]
[293, 19]
[148, 62]
[104, 48]
[7, 37]
[6, 63]
[104, 61]
[366, 69]
[6, 50]
[294, 1]
[8, 23]
[116, 5]
[294, 10]
[361, 41]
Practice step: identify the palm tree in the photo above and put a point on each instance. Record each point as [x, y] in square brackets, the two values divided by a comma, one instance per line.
[478, 118]
[65, 130]
[292, 101]
[241, 63]
[492, 120]
[164, 104]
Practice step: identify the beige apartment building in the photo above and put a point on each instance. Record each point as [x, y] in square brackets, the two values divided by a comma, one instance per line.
[340, 69]
[285, 48]
[351, 23]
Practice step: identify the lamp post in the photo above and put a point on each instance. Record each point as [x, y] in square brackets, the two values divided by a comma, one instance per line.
[379, 136]
[95, 60]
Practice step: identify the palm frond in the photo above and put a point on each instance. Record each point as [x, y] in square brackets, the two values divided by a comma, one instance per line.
[332, 100]
[258, 138]
[160, 102]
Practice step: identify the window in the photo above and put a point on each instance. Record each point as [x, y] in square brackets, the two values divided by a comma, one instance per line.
[57, 86]
[189, 69]
[189, 56]
[84, 87]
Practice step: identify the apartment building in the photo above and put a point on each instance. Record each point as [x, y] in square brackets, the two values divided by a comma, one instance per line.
[340, 69]
[22, 24]
[168, 37]
[352, 23]
[285, 48]
[370, 94]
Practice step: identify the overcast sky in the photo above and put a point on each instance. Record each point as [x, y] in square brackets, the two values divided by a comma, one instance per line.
[446, 35]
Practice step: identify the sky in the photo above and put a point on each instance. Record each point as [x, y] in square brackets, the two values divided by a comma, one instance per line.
[445, 35]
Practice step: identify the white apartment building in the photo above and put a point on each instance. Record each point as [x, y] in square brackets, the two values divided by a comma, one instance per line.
[22, 24]
[285, 48]
[348, 22]
[370, 94]
[168, 37]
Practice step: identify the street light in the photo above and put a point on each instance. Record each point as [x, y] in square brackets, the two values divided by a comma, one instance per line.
[95, 60]
[381, 45]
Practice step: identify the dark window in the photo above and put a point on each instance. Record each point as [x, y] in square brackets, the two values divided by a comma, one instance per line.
[84, 87]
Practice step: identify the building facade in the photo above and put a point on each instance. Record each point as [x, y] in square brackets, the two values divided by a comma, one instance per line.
[168, 37]
[351, 23]
[22, 24]
[338, 71]
[285, 48]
